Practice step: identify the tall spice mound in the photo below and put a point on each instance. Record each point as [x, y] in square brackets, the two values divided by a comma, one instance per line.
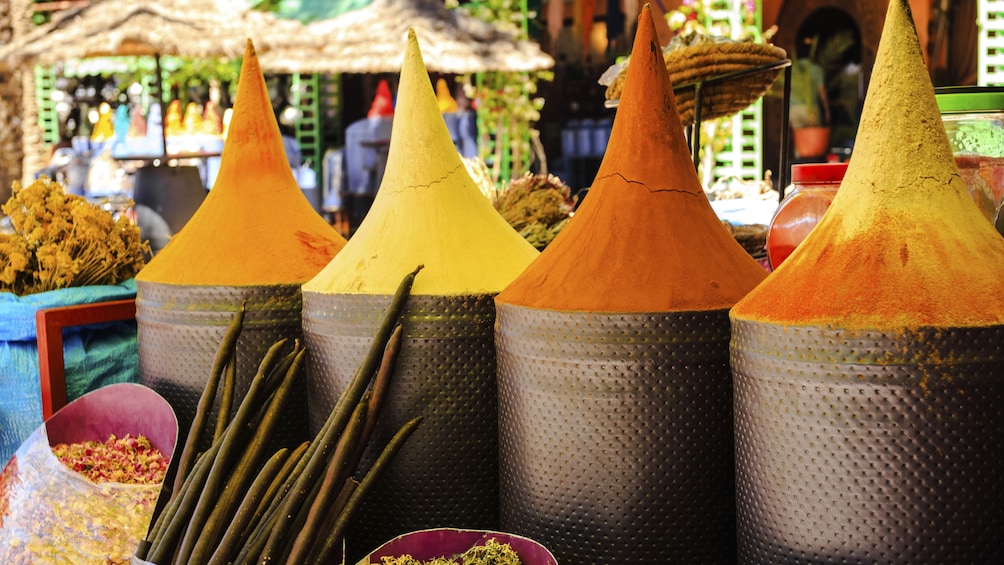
[902, 244]
[255, 227]
[646, 238]
[428, 210]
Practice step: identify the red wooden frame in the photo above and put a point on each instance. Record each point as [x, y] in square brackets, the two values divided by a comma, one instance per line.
[50, 323]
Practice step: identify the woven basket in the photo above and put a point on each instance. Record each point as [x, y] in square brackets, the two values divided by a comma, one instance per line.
[701, 62]
[752, 237]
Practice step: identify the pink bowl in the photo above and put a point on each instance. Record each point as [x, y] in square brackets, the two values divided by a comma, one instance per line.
[116, 409]
[429, 544]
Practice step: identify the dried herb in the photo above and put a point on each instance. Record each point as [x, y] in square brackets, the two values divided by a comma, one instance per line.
[491, 553]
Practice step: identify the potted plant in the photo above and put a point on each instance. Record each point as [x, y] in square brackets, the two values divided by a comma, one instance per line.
[809, 110]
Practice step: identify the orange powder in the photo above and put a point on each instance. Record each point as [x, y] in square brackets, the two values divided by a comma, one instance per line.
[255, 227]
[646, 238]
[902, 245]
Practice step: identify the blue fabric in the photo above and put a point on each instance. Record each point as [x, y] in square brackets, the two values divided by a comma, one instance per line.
[94, 356]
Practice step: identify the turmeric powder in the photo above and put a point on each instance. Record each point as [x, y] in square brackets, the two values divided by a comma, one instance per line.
[255, 226]
[427, 211]
[645, 239]
[902, 245]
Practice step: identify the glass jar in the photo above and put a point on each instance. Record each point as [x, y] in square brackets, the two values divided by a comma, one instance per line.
[813, 187]
[974, 121]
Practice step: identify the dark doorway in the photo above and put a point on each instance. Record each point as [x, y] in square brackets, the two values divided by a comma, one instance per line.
[833, 39]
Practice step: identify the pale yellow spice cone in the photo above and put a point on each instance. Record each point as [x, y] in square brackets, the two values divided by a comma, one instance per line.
[903, 244]
[427, 211]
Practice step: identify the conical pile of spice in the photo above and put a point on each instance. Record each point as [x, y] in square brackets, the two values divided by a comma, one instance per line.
[615, 396]
[868, 379]
[254, 240]
[429, 212]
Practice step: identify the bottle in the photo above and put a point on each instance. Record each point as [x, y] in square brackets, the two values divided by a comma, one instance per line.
[974, 122]
[813, 188]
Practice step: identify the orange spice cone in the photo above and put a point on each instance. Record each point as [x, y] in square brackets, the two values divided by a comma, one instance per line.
[254, 240]
[867, 379]
[613, 346]
[427, 211]
[645, 239]
[255, 226]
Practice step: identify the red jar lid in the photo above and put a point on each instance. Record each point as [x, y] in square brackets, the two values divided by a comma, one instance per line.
[818, 172]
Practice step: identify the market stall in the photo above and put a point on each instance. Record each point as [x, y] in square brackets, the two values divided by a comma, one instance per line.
[639, 391]
[181, 28]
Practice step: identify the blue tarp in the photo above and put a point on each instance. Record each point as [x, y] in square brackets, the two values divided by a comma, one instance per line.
[94, 356]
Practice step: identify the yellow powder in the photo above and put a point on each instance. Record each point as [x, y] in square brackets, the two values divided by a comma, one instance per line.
[646, 238]
[255, 227]
[427, 211]
[902, 244]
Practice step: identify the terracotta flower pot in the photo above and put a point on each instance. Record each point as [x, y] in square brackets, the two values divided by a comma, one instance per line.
[811, 141]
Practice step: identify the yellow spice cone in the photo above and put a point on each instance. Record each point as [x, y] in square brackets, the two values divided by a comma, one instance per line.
[427, 211]
[255, 227]
[646, 238]
[903, 244]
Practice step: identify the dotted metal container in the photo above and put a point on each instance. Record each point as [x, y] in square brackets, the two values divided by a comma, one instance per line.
[616, 434]
[447, 472]
[868, 447]
[180, 329]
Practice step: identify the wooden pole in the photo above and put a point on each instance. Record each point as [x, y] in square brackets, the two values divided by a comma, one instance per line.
[160, 100]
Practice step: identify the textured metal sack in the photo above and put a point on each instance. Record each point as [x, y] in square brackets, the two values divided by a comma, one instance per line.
[868, 447]
[447, 472]
[615, 434]
[180, 328]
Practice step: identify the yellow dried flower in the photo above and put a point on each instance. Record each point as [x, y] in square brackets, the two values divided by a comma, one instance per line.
[61, 240]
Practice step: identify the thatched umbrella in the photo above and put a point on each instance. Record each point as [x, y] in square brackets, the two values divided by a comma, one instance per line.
[185, 28]
[372, 40]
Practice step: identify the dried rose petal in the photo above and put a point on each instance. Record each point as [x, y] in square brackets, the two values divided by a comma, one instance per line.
[129, 460]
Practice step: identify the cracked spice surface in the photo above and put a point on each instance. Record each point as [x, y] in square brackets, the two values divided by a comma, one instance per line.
[902, 245]
[427, 211]
[446, 177]
[645, 239]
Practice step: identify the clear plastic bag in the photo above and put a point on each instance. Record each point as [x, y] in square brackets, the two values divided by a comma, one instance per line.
[51, 514]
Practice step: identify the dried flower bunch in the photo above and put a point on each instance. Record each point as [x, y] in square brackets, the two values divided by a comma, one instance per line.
[537, 206]
[128, 460]
[491, 553]
[61, 240]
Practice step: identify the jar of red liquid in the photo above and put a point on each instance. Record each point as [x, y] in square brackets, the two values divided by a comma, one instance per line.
[974, 121]
[813, 187]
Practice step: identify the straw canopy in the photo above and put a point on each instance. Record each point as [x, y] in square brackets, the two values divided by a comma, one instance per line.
[186, 28]
[373, 39]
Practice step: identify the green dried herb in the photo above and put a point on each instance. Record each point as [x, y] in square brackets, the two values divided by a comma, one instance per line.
[491, 553]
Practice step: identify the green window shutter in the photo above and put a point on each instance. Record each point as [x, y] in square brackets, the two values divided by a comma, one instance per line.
[48, 120]
[990, 20]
